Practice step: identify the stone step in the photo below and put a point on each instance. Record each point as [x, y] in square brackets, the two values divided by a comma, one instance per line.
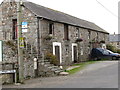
[47, 65]
[55, 66]
[58, 71]
[54, 69]
[47, 62]
[44, 61]
[63, 73]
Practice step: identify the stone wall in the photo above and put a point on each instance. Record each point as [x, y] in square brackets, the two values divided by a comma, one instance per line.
[58, 36]
[7, 14]
[10, 62]
[6, 78]
[9, 52]
[1, 34]
[31, 35]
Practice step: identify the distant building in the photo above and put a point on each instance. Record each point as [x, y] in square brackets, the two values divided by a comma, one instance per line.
[115, 40]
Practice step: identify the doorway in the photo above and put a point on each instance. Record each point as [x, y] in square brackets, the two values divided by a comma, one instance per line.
[74, 52]
[57, 51]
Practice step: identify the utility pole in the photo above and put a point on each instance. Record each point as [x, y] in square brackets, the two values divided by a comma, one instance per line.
[20, 50]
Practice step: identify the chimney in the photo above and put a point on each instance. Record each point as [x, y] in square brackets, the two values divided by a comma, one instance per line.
[114, 33]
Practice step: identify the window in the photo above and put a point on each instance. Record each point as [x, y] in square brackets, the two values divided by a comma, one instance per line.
[117, 43]
[104, 36]
[77, 33]
[89, 34]
[11, 3]
[51, 28]
[66, 33]
[80, 35]
[14, 35]
[97, 36]
[1, 51]
[5, 35]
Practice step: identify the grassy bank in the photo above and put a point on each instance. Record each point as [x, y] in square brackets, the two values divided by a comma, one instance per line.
[81, 66]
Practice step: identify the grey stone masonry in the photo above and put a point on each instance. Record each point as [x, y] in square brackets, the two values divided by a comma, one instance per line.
[67, 43]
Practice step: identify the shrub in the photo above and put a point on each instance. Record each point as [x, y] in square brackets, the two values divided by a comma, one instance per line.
[12, 45]
[48, 37]
[111, 47]
[102, 41]
[52, 58]
[118, 51]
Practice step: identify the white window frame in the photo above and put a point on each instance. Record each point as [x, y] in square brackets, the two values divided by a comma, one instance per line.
[57, 44]
[1, 51]
[82, 51]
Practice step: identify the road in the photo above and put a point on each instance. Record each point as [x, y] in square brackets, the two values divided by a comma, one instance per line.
[102, 74]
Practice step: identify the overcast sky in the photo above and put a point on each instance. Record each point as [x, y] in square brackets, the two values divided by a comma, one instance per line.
[101, 12]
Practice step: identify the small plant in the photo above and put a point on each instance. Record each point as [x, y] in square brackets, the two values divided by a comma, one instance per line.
[9, 43]
[102, 41]
[49, 37]
[12, 45]
[79, 40]
[93, 41]
[111, 47]
[52, 58]
[118, 51]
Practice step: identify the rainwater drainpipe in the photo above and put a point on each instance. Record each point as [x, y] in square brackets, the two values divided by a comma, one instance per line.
[38, 45]
[39, 36]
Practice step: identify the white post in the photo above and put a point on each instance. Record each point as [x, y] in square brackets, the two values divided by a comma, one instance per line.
[35, 66]
[35, 63]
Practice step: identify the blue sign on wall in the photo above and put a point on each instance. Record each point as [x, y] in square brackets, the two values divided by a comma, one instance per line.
[24, 26]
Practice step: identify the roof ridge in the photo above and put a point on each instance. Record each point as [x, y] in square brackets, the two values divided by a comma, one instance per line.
[59, 11]
[52, 14]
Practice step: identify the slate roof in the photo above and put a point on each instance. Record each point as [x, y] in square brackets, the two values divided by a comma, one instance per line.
[114, 38]
[58, 16]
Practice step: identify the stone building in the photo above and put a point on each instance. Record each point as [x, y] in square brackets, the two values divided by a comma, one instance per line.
[69, 38]
[114, 39]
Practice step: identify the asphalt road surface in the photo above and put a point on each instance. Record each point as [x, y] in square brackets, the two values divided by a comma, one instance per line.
[102, 74]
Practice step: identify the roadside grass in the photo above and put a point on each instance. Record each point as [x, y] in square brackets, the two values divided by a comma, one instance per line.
[81, 66]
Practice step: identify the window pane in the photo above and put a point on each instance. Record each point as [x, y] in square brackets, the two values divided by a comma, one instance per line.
[0, 51]
[66, 33]
[51, 28]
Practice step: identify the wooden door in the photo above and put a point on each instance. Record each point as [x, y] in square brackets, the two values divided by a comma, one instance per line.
[57, 53]
[75, 53]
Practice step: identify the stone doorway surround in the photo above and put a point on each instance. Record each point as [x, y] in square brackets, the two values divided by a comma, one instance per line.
[73, 44]
[60, 49]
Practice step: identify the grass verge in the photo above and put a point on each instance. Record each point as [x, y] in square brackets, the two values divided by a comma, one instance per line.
[81, 66]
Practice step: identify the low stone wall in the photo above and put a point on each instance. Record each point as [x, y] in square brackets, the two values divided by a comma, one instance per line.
[7, 78]
[10, 62]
